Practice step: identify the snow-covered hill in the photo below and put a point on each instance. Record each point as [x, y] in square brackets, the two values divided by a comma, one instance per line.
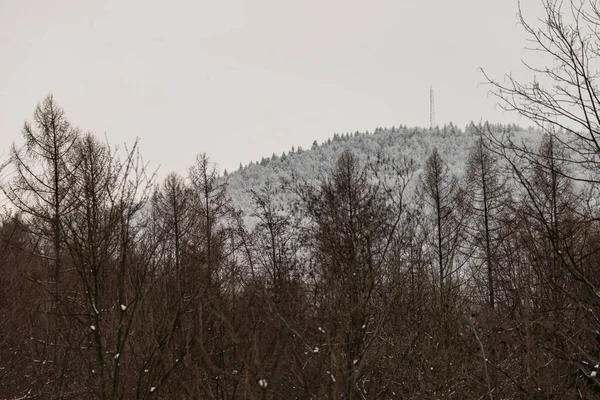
[394, 143]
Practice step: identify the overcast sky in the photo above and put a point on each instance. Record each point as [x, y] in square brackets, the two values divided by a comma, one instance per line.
[241, 79]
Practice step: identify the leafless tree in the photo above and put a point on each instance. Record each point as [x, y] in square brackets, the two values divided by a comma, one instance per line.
[442, 196]
[40, 186]
[562, 100]
[353, 231]
[564, 97]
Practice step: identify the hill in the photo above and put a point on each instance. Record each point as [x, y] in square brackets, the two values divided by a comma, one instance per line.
[395, 143]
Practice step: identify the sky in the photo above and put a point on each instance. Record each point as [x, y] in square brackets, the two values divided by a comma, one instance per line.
[243, 79]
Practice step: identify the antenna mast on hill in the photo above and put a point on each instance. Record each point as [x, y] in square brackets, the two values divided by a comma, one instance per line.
[431, 108]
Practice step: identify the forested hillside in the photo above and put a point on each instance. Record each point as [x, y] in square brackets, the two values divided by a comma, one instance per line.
[380, 151]
[405, 263]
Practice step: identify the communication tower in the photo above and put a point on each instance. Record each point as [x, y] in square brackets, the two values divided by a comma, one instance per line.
[431, 108]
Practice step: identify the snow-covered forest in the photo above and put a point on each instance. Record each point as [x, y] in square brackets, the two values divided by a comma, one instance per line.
[403, 263]
[381, 151]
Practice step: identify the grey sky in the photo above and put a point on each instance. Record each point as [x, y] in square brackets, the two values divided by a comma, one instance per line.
[241, 79]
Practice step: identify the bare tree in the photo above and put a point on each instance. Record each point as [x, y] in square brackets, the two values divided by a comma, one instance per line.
[40, 188]
[112, 250]
[565, 96]
[562, 100]
[487, 200]
[352, 237]
[172, 205]
[276, 230]
[441, 194]
[210, 204]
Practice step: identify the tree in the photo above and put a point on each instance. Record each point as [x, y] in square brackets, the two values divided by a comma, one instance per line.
[90, 241]
[353, 228]
[275, 231]
[172, 208]
[486, 198]
[442, 196]
[210, 204]
[211, 324]
[443, 219]
[565, 96]
[563, 100]
[111, 250]
[487, 202]
[43, 172]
